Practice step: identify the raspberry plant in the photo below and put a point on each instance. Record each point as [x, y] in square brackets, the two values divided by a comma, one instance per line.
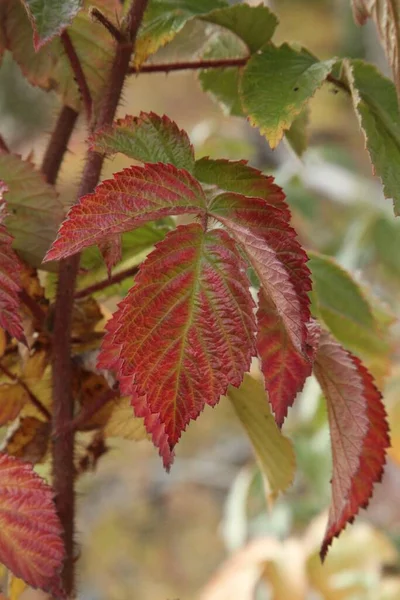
[231, 285]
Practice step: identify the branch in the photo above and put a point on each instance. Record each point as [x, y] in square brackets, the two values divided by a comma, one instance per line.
[58, 144]
[63, 401]
[222, 63]
[105, 283]
[34, 399]
[78, 73]
[98, 16]
[3, 145]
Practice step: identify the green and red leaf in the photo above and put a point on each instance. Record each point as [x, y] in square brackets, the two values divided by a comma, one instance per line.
[184, 332]
[50, 17]
[30, 533]
[359, 432]
[134, 196]
[148, 138]
[10, 318]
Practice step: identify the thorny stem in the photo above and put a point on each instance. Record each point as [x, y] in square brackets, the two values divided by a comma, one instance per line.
[63, 447]
[34, 399]
[78, 73]
[105, 283]
[98, 16]
[58, 144]
[222, 63]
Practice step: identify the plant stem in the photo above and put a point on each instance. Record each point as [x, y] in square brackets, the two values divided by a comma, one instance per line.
[58, 144]
[34, 399]
[63, 447]
[78, 73]
[105, 283]
[98, 16]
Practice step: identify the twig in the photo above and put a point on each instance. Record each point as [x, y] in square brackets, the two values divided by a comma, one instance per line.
[34, 399]
[100, 18]
[3, 145]
[34, 307]
[63, 406]
[105, 283]
[58, 144]
[78, 72]
[190, 65]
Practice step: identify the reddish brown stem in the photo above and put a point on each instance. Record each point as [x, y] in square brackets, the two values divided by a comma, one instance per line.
[3, 145]
[34, 399]
[191, 65]
[34, 308]
[78, 73]
[58, 144]
[98, 16]
[105, 283]
[63, 447]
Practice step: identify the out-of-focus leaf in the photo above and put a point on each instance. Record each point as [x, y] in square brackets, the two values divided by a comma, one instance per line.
[275, 86]
[359, 432]
[34, 209]
[297, 135]
[16, 587]
[384, 235]
[123, 423]
[184, 351]
[376, 104]
[30, 535]
[50, 17]
[148, 138]
[386, 14]
[12, 398]
[163, 20]
[90, 390]
[29, 441]
[254, 25]
[49, 68]
[273, 450]
[340, 303]
[10, 278]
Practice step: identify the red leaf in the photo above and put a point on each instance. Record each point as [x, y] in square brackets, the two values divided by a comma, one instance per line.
[285, 369]
[30, 532]
[359, 432]
[10, 318]
[134, 196]
[184, 332]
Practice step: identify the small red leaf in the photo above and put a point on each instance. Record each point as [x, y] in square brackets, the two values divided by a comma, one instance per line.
[359, 432]
[10, 318]
[30, 532]
[134, 196]
[184, 332]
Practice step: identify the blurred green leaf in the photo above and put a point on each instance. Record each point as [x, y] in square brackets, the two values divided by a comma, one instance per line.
[375, 101]
[297, 135]
[50, 17]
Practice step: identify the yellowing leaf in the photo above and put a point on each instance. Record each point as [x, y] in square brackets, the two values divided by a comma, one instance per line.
[274, 451]
[16, 587]
[12, 398]
[29, 441]
[123, 423]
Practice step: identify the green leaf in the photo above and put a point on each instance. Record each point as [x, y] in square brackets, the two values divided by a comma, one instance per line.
[384, 235]
[148, 138]
[297, 135]
[375, 101]
[223, 84]
[273, 450]
[275, 86]
[35, 212]
[339, 302]
[255, 25]
[50, 17]
[163, 19]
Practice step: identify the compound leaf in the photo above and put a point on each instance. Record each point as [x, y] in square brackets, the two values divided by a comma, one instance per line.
[30, 534]
[50, 17]
[134, 196]
[183, 333]
[275, 86]
[148, 138]
[375, 102]
[359, 432]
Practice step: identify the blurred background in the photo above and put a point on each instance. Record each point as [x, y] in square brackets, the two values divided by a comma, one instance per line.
[208, 530]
